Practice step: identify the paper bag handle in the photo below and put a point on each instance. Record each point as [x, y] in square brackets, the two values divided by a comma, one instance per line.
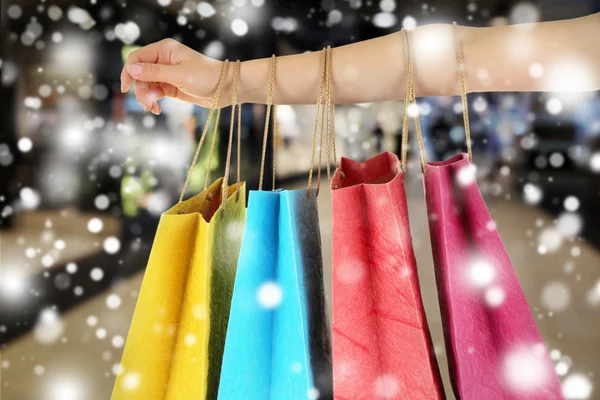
[330, 116]
[225, 185]
[463, 88]
[326, 115]
[411, 98]
[270, 106]
[205, 131]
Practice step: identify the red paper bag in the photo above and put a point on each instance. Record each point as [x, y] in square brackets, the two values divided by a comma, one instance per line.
[381, 343]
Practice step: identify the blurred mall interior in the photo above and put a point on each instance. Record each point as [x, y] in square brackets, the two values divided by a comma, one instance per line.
[85, 173]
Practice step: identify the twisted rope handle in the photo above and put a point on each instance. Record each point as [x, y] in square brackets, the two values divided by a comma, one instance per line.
[205, 131]
[413, 100]
[316, 129]
[212, 148]
[330, 116]
[463, 88]
[274, 142]
[267, 121]
[407, 100]
[225, 185]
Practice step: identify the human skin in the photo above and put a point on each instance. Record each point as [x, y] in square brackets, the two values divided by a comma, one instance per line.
[547, 56]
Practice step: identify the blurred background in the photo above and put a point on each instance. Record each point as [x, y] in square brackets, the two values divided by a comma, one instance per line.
[85, 173]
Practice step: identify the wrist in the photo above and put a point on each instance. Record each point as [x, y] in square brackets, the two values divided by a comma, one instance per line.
[247, 85]
[243, 95]
[227, 90]
[254, 77]
[206, 83]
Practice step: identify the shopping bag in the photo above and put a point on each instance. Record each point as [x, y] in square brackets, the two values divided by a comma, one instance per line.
[382, 347]
[175, 342]
[495, 350]
[381, 342]
[277, 344]
[277, 341]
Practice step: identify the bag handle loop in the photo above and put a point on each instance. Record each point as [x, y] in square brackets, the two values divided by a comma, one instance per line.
[407, 100]
[274, 143]
[225, 185]
[463, 87]
[319, 122]
[212, 148]
[412, 99]
[267, 122]
[205, 131]
[330, 116]
[410, 95]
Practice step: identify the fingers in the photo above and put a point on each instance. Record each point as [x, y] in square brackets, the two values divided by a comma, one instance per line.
[176, 93]
[148, 53]
[164, 52]
[157, 71]
[148, 94]
[148, 72]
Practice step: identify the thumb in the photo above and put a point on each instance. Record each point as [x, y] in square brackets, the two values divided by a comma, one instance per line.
[148, 72]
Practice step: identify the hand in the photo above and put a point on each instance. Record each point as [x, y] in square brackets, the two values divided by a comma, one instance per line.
[170, 69]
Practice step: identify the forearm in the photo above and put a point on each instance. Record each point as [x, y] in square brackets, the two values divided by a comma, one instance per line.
[496, 59]
[367, 71]
[568, 52]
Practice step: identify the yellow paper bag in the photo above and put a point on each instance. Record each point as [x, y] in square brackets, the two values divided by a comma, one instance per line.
[175, 344]
[167, 352]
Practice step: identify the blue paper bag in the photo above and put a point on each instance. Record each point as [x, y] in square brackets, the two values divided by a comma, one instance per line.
[278, 344]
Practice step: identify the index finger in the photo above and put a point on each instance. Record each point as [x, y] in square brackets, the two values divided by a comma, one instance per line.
[149, 54]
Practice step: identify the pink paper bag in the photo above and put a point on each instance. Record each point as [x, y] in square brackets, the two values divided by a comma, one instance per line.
[494, 347]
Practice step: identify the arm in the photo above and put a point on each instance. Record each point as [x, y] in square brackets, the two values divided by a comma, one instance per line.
[566, 53]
